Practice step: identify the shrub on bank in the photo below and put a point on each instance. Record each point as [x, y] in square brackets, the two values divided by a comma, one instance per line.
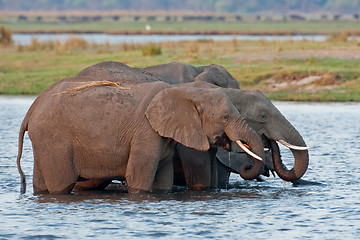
[5, 36]
[151, 49]
[338, 37]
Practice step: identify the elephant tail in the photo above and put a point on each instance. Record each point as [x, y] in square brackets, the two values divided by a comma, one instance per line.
[23, 129]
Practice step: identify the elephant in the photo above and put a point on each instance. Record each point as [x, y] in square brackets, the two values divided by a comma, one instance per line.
[271, 125]
[181, 73]
[176, 73]
[268, 122]
[172, 73]
[101, 130]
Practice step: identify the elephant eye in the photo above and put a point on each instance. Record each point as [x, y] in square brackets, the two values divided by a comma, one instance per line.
[263, 117]
[226, 118]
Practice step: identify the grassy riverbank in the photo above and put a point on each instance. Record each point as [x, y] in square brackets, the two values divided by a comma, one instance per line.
[192, 27]
[303, 71]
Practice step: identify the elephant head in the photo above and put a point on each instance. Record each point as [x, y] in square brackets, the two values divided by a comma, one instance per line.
[177, 73]
[199, 118]
[218, 76]
[268, 122]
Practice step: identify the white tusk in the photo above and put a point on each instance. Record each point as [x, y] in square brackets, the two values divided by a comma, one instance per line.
[292, 146]
[247, 150]
[266, 149]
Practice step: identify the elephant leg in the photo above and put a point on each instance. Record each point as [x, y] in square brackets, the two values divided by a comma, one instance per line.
[140, 175]
[143, 164]
[179, 178]
[196, 166]
[57, 168]
[223, 175]
[164, 176]
[39, 185]
[214, 169]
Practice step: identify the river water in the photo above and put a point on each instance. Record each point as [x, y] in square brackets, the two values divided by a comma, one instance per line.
[25, 39]
[247, 210]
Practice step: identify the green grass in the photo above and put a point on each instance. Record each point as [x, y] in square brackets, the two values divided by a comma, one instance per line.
[193, 26]
[30, 71]
[325, 96]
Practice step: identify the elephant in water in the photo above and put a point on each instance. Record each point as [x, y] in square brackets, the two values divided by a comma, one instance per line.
[260, 114]
[101, 130]
[272, 126]
[268, 122]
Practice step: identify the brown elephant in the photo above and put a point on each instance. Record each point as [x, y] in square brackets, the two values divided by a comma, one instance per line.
[99, 130]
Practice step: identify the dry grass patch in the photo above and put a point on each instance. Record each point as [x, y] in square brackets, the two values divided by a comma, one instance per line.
[87, 85]
[151, 49]
[5, 36]
[303, 82]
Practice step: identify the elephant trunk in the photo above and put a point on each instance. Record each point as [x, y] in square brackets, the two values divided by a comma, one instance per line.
[238, 131]
[301, 155]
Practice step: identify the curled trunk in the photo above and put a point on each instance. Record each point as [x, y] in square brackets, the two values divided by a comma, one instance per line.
[239, 130]
[301, 163]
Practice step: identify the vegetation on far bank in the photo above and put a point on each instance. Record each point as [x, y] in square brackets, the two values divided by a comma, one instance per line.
[351, 28]
[283, 70]
[177, 23]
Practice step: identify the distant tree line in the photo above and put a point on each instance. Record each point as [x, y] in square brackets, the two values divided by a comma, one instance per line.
[222, 6]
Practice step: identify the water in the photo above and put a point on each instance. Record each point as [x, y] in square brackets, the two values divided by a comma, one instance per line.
[248, 210]
[25, 39]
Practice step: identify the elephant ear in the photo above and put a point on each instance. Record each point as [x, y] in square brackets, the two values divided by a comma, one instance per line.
[172, 114]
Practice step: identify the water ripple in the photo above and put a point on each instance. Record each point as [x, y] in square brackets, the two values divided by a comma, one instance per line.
[327, 209]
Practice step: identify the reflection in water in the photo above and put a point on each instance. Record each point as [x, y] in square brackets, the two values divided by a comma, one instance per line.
[326, 209]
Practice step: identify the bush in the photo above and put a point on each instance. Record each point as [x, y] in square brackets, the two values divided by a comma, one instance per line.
[6, 36]
[35, 44]
[128, 46]
[338, 37]
[151, 49]
[192, 49]
[76, 43]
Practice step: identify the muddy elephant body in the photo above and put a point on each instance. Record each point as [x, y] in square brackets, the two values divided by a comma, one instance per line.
[104, 131]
